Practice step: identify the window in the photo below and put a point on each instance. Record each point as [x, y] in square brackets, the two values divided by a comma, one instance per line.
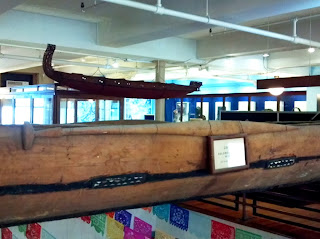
[7, 111]
[22, 110]
[300, 105]
[243, 106]
[205, 108]
[272, 105]
[185, 112]
[86, 111]
[136, 109]
[219, 105]
[70, 111]
[63, 111]
[42, 111]
[109, 110]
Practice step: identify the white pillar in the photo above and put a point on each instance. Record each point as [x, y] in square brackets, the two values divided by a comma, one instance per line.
[312, 97]
[160, 77]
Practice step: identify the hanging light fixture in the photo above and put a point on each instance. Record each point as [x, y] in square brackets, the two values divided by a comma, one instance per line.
[115, 64]
[276, 91]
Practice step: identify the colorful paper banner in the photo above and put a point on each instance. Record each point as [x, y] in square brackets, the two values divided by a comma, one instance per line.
[222, 231]
[123, 217]
[242, 234]
[131, 234]
[6, 233]
[162, 211]
[110, 214]
[179, 217]
[33, 231]
[148, 209]
[142, 227]
[22, 229]
[115, 229]
[86, 219]
[99, 222]
[162, 235]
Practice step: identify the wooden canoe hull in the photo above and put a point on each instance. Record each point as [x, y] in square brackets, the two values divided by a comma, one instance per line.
[55, 178]
[115, 87]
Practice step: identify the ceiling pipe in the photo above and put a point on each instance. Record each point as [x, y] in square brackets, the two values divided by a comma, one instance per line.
[207, 20]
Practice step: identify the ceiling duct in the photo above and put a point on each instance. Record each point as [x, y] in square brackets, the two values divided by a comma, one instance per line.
[159, 9]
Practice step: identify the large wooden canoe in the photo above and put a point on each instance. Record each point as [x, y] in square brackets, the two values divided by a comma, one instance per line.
[64, 171]
[115, 87]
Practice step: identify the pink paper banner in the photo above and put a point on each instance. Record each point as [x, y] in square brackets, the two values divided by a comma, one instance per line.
[131, 234]
[142, 227]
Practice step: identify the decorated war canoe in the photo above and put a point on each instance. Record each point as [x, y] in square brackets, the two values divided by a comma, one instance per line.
[115, 87]
[66, 171]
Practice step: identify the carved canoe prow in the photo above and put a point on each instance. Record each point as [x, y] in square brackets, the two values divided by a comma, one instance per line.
[115, 87]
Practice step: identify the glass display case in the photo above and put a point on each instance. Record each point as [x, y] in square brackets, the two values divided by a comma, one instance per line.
[32, 104]
[48, 104]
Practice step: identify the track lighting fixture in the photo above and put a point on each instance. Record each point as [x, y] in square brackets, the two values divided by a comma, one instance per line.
[82, 7]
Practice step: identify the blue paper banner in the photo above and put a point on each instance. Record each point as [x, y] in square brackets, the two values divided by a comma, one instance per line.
[162, 211]
[179, 217]
[123, 217]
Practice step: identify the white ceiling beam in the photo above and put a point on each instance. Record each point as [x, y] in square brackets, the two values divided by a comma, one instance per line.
[6, 5]
[8, 66]
[36, 30]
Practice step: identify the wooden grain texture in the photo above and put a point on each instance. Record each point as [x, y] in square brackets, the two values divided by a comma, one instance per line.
[76, 158]
[71, 159]
[16, 208]
[153, 149]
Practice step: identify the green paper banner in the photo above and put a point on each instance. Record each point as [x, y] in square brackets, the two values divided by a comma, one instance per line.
[99, 223]
[241, 234]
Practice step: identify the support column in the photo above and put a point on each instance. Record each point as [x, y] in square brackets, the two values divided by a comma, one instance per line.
[313, 94]
[160, 77]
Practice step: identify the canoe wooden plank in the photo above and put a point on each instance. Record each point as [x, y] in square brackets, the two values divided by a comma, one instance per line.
[19, 208]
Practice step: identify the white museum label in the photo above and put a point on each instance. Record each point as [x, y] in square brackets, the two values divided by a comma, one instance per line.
[229, 153]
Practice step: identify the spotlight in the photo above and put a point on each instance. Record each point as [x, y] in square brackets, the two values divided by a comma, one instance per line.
[210, 32]
[82, 7]
[311, 50]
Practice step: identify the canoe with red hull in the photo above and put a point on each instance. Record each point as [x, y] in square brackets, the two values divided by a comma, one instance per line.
[115, 87]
